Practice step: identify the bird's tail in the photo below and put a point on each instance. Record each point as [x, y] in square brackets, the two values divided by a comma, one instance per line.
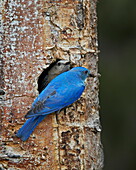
[25, 131]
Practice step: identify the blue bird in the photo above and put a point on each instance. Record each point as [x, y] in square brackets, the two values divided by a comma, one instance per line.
[62, 91]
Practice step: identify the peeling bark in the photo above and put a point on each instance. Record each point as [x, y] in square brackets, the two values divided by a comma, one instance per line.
[34, 34]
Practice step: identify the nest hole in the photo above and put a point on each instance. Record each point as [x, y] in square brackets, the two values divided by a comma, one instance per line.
[54, 69]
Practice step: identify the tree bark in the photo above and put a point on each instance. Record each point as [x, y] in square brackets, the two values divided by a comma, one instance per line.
[34, 34]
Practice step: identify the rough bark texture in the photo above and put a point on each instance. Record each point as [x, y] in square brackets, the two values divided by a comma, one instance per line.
[34, 34]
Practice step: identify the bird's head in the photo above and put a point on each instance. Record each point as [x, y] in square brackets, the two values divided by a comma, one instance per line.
[61, 66]
[82, 72]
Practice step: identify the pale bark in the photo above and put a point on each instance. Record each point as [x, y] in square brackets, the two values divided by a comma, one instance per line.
[34, 34]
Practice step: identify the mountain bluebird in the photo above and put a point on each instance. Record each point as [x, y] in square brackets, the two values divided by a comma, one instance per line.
[62, 91]
[51, 72]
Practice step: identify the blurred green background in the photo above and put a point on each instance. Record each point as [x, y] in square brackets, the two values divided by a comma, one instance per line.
[117, 65]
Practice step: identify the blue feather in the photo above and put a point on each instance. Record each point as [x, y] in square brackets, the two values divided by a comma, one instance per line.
[28, 127]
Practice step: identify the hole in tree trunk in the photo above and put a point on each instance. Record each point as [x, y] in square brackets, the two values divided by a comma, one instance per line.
[2, 92]
[55, 68]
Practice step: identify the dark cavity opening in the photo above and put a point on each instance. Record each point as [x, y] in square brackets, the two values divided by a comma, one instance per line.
[2, 92]
[55, 68]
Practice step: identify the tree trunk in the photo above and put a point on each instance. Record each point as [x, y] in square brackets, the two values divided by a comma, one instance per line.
[34, 34]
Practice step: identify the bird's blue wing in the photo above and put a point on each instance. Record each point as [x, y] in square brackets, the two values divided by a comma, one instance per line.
[58, 97]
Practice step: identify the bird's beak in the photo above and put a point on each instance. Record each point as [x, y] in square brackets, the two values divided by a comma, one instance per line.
[91, 75]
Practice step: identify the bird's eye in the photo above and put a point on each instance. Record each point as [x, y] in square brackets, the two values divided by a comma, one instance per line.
[86, 72]
[59, 64]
